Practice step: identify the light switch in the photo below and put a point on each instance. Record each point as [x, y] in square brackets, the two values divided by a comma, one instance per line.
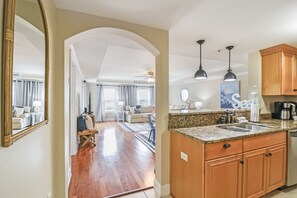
[184, 156]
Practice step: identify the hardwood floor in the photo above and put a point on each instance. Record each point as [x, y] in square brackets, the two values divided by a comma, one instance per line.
[119, 163]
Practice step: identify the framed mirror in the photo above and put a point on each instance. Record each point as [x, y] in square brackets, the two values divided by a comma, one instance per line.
[184, 94]
[24, 70]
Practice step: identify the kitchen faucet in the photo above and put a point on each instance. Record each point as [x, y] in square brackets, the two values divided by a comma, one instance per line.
[189, 102]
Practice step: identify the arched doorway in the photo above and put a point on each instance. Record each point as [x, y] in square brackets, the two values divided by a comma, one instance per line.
[67, 97]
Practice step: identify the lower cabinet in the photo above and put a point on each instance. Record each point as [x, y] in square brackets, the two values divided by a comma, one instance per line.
[247, 168]
[223, 177]
[254, 171]
[276, 167]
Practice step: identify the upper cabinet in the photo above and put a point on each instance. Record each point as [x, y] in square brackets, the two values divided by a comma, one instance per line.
[279, 70]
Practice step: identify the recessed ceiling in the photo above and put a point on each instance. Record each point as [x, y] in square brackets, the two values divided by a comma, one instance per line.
[249, 25]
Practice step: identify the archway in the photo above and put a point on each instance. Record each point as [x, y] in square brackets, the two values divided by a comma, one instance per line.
[159, 120]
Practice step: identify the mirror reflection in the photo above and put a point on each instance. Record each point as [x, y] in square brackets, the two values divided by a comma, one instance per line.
[184, 94]
[28, 86]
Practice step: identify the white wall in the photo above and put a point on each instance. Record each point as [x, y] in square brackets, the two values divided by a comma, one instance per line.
[26, 167]
[207, 91]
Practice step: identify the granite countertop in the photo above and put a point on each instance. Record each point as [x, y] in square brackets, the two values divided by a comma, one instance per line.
[203, 111]
[212, 134]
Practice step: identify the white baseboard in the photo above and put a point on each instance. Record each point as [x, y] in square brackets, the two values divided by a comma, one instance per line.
[69, 176]
[163, 190]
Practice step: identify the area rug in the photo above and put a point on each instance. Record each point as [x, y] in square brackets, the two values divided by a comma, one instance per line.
[135, 127]
[143, 137]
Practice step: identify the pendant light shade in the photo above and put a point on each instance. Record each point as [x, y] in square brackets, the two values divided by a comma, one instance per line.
[200, 73]
[230, 76]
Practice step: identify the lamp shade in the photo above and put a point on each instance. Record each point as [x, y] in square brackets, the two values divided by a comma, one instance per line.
[37, 103]
[198, 105]
[230, 76]
[200, 74]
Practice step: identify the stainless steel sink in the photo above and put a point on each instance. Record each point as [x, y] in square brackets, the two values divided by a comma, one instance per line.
[245, 127]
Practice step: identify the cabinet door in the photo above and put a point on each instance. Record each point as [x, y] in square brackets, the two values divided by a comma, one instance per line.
[288, 74]
[254, 171]
[223, 177]
[276, 167]
[271, 74]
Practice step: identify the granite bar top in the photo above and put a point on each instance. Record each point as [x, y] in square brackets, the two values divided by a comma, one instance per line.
[204, 111]
[212, 134]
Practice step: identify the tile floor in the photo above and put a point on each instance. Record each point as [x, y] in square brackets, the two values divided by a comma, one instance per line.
[290, 192]
[150, 193]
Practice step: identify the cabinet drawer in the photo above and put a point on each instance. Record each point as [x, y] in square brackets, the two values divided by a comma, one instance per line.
[264, 141]
[222, 149]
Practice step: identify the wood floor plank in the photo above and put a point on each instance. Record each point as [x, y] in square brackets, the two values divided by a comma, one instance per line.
[119, 163]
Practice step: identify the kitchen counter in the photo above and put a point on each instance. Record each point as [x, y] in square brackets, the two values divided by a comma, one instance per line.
[211, 134]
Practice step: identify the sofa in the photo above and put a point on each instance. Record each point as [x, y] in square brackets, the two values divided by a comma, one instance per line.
[21, 117]
[136, 114]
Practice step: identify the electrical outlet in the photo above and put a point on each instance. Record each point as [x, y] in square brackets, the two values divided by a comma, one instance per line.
[184, 156]
[49, 195]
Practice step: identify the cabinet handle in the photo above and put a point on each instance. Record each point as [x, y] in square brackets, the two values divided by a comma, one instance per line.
[267, 155]
[241, 161]
[294, 89]
[227, 145]
[270, 154]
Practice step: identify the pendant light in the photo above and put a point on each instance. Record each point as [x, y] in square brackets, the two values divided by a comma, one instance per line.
[200, 73]
[230, 76]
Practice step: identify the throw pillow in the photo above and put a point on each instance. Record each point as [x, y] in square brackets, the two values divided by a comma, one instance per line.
[132, 110]
[89, 122]
[137, 110]
[18, 112]
[27, 109]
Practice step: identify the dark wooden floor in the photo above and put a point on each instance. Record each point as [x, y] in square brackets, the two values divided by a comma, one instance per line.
[119, 163]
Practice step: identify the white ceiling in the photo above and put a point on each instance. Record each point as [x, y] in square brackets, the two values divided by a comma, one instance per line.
[250, 25]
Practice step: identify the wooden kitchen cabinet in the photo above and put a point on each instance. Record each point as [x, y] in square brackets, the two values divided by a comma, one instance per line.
[223, 177]
[248, 167]
[279, 70]
[264, 170]
[254, 171]
[275, 162]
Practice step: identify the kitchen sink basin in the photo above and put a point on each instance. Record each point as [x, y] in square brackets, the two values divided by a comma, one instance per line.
[245, 127]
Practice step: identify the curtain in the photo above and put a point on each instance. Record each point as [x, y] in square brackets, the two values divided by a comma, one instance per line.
[128, 94]
[151, 94]
[24, 92]
[99, 111]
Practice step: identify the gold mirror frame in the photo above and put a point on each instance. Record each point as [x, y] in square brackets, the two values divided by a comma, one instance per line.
[7, 76]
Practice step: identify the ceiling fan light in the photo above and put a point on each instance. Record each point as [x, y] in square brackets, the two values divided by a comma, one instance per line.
[200, 74]
[150, 79]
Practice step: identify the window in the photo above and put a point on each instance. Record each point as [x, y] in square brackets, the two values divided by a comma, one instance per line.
[144, 95]
[109, 98]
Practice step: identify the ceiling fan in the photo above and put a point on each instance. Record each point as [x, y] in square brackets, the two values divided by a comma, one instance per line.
[150, 76]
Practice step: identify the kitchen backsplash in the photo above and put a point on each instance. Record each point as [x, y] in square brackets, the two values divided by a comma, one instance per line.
[196, 119]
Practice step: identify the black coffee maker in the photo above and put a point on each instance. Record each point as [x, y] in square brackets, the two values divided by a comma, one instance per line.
[282, 110]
